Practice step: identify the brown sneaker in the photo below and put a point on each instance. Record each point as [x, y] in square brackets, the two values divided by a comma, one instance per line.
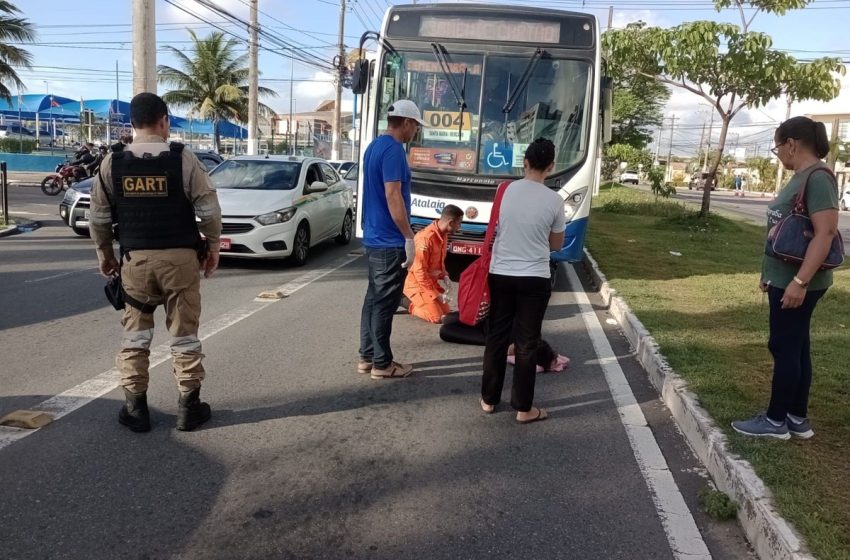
[364, 366]
[395, 369]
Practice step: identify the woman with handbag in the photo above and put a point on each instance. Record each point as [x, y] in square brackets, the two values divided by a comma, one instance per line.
[803, 245]
[530, 225]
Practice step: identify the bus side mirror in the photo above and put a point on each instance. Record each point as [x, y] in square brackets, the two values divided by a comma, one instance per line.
[360, 77]
[607, 108]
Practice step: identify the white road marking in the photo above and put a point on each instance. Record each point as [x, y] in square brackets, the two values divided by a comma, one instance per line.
[59, 275]
[107, 381]
[679, 525]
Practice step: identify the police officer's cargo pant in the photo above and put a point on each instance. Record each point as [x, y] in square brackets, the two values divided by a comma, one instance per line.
[171, 278]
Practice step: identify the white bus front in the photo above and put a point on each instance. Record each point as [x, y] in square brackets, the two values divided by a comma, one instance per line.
[489, 80]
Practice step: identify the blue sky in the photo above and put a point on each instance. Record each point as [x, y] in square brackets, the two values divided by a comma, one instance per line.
[79, 44]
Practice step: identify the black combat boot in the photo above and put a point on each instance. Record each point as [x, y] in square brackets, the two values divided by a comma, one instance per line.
[191, 412]
[134, 414]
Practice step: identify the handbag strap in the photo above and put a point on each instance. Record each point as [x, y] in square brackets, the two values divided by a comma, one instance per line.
[494, 218]
[800, 206]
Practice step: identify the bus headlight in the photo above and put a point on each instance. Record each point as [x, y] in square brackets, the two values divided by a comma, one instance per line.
[573, 202]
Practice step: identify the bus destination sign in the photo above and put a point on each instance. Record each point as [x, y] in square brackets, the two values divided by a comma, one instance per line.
[488, 29]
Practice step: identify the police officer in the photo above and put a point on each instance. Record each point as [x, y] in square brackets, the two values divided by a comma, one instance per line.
[153, 191]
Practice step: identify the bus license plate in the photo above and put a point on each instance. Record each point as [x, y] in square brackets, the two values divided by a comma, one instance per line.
[461, 248]
[224, 244]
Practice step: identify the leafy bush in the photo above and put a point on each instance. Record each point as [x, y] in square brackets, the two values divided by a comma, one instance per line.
[656, 181]
[13, 145]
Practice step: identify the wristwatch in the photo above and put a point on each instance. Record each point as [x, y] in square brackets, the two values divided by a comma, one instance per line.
[801, 283]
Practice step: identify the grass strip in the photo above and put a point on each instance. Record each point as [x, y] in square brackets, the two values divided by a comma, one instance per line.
[694, 284]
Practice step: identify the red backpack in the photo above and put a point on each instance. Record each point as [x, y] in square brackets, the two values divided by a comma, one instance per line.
[473, 293]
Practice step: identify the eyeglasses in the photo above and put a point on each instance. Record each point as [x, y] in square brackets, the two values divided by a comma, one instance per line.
[775, 150]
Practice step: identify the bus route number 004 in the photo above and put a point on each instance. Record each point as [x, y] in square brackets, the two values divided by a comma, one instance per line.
[448, 119]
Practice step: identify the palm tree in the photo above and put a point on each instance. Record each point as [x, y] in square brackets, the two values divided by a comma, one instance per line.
[212, 84]
[17, 30]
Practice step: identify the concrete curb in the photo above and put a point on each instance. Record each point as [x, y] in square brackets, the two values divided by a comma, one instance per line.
[11, 230]
[771, 536]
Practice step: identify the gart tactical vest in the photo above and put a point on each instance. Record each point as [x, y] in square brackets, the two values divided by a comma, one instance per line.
[150, 203]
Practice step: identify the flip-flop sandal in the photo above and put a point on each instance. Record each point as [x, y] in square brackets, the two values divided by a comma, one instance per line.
[482, 404]
[541, 415]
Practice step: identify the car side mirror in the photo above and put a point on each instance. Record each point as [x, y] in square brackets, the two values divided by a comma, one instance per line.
[318, 186]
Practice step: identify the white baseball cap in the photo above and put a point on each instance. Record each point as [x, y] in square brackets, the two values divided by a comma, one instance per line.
[406, 109]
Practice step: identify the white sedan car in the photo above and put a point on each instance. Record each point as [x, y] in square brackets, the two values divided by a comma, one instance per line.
[844, 200]
[281, 206]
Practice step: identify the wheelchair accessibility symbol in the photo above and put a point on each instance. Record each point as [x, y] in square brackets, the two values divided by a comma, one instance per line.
[499, 155]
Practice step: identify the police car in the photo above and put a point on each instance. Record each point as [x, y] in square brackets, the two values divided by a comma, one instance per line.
[280, 206]
[74, 208]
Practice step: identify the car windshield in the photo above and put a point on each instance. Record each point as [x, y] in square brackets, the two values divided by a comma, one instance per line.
[483, 138]
[269, 175]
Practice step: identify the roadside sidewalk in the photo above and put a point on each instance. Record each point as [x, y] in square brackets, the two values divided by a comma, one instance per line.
[26, 178]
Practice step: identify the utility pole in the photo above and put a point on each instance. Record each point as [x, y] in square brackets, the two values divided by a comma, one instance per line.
[144, 46]
[708, 143]
[610, 17]
[340, 72]
[669, 171]
[701, 140]
[790, 102]
[253, 31]
[658, 143]
[289, 125]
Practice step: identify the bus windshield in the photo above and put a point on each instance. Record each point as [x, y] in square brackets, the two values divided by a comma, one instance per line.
[553, 102]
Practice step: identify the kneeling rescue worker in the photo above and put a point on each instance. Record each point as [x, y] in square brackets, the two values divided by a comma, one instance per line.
[423, 284]
[152, 191]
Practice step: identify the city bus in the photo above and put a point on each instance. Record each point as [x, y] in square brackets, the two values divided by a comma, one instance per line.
[489, 79]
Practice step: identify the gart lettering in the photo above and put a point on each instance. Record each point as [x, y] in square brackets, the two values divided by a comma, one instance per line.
[145, 186]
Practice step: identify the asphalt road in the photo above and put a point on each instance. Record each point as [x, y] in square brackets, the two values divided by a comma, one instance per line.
[304, 458]
[752, 207]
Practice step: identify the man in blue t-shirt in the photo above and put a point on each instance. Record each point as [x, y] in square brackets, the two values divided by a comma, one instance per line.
[388, 238]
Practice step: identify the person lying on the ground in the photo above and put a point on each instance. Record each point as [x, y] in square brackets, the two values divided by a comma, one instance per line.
[428, 298]
[545, 357]
[456, 332]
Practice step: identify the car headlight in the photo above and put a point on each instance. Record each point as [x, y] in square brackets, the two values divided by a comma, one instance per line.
[71, 196]
[277, 217]
[573, 202]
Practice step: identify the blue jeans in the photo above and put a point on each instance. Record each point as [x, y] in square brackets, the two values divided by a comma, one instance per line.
[386, 284]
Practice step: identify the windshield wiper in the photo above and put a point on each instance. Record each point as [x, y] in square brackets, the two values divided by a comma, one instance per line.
[523, 81]
[442, 56]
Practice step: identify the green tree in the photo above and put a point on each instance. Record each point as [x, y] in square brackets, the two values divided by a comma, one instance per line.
[638, 105]
[617, 153]
[212, 83]
[17, 30]
[766, 171]
[729, 66]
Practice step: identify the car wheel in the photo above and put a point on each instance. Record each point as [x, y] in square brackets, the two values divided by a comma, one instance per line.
[301, 245]
[347, 231]
[842, 205]
[84, 232]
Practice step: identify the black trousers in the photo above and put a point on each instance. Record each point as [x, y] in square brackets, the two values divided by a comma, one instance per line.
[517, 305]
[792, 357]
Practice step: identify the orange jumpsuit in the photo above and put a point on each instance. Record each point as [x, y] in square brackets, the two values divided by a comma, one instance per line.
[421, 286]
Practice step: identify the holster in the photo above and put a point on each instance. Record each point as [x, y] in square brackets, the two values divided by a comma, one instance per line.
[203, 250]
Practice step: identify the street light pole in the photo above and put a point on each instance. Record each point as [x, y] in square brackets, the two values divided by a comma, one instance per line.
[50, 118]
[289, 125]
